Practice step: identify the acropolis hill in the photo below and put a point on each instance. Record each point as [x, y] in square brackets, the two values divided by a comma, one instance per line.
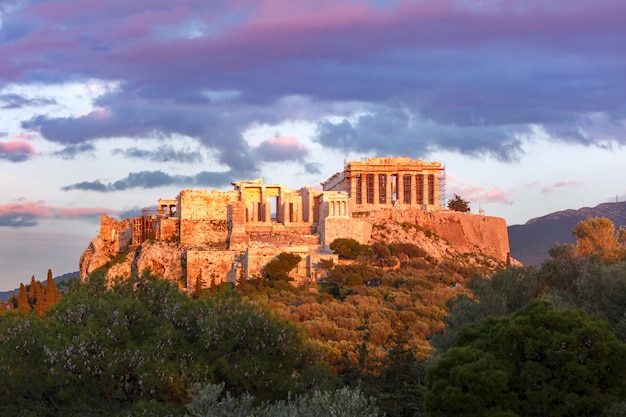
[220, 236]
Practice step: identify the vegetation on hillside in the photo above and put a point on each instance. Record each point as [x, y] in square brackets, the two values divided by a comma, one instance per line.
[387, 330]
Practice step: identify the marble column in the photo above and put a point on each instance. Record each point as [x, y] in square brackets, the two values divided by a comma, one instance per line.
[400, 191]
[376, 189]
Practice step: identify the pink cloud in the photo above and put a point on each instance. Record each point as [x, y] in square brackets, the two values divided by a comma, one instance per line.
[561, 184]
[17, 150]
[570, 183]
[474, 193]
[278, 27]
[281, 148]
[20, 207]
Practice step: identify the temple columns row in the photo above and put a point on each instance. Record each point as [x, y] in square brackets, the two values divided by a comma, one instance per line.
[366, 188]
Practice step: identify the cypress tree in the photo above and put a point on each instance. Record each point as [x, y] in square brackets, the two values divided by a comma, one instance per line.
[52, 293]
[22, 300]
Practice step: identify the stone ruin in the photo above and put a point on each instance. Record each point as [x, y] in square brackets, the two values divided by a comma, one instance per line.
[230, 235]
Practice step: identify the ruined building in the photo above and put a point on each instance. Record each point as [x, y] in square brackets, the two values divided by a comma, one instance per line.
[230, 235]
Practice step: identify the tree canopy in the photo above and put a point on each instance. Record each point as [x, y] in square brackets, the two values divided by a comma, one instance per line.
[139, 346]
[538, 361]
[456, 203]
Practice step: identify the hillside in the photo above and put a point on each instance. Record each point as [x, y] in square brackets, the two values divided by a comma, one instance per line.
[530, 242]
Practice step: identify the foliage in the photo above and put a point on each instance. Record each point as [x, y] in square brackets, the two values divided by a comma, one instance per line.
[382, 255]
[411, 250]
[601, 290]
[278, 269]
[139, 347]
[350, 249]
[208, 401]
[561, 271]
[36, 296]
[538, 361]
[458, 204]
[597, 236]
[498, 296]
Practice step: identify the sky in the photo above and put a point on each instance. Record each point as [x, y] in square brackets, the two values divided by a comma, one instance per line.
[108, 105]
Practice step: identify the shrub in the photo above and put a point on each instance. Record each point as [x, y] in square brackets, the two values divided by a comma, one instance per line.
[278, 268]
[348, 248]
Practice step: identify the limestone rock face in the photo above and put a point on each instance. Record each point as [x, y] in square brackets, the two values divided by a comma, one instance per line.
[164, 259]
[471, 239]
[475, 240]
[114, 238]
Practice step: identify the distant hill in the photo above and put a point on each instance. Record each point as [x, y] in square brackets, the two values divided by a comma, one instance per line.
[530, 242]
[5, 295]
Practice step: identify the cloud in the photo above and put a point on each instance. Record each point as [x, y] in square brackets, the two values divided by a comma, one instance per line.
[280, 149]
[387, 131]
[16, 101]
[74, 150]
[17, 151]
[154, 179]
[161, 154]
[412, 77]
[563, 184]
[474, 193]
[312, 168]
[24, 213]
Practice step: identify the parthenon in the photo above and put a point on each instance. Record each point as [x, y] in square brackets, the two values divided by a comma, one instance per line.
[228, 234]
[383, 182]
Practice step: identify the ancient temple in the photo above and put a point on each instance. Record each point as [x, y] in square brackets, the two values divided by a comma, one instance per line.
[226, 235]
[384, 182]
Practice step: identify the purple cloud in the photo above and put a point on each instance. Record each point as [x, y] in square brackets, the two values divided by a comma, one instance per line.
[420, 76]
[154, 179]
[281, 148]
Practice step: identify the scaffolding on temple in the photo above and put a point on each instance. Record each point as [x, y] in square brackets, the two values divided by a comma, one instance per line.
[442, 186]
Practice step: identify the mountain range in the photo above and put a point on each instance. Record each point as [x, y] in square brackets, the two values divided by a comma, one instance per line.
[530, 242]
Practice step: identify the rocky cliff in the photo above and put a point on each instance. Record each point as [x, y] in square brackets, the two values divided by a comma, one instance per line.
[475, 240]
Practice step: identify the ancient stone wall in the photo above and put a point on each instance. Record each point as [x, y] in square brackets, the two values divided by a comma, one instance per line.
[342, 227]
[117, 235]
[204, 216]
[237, 237]
[212, 266]
[201, 205]
[167, 228]
[257, 257]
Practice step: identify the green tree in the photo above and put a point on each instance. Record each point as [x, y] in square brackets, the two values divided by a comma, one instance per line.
[601, 290]
[560, 272]
[536, 362]
[458, 204]
[382, 255]
[139, 346]
[278, 269]
[348, 248]
[498, 296]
